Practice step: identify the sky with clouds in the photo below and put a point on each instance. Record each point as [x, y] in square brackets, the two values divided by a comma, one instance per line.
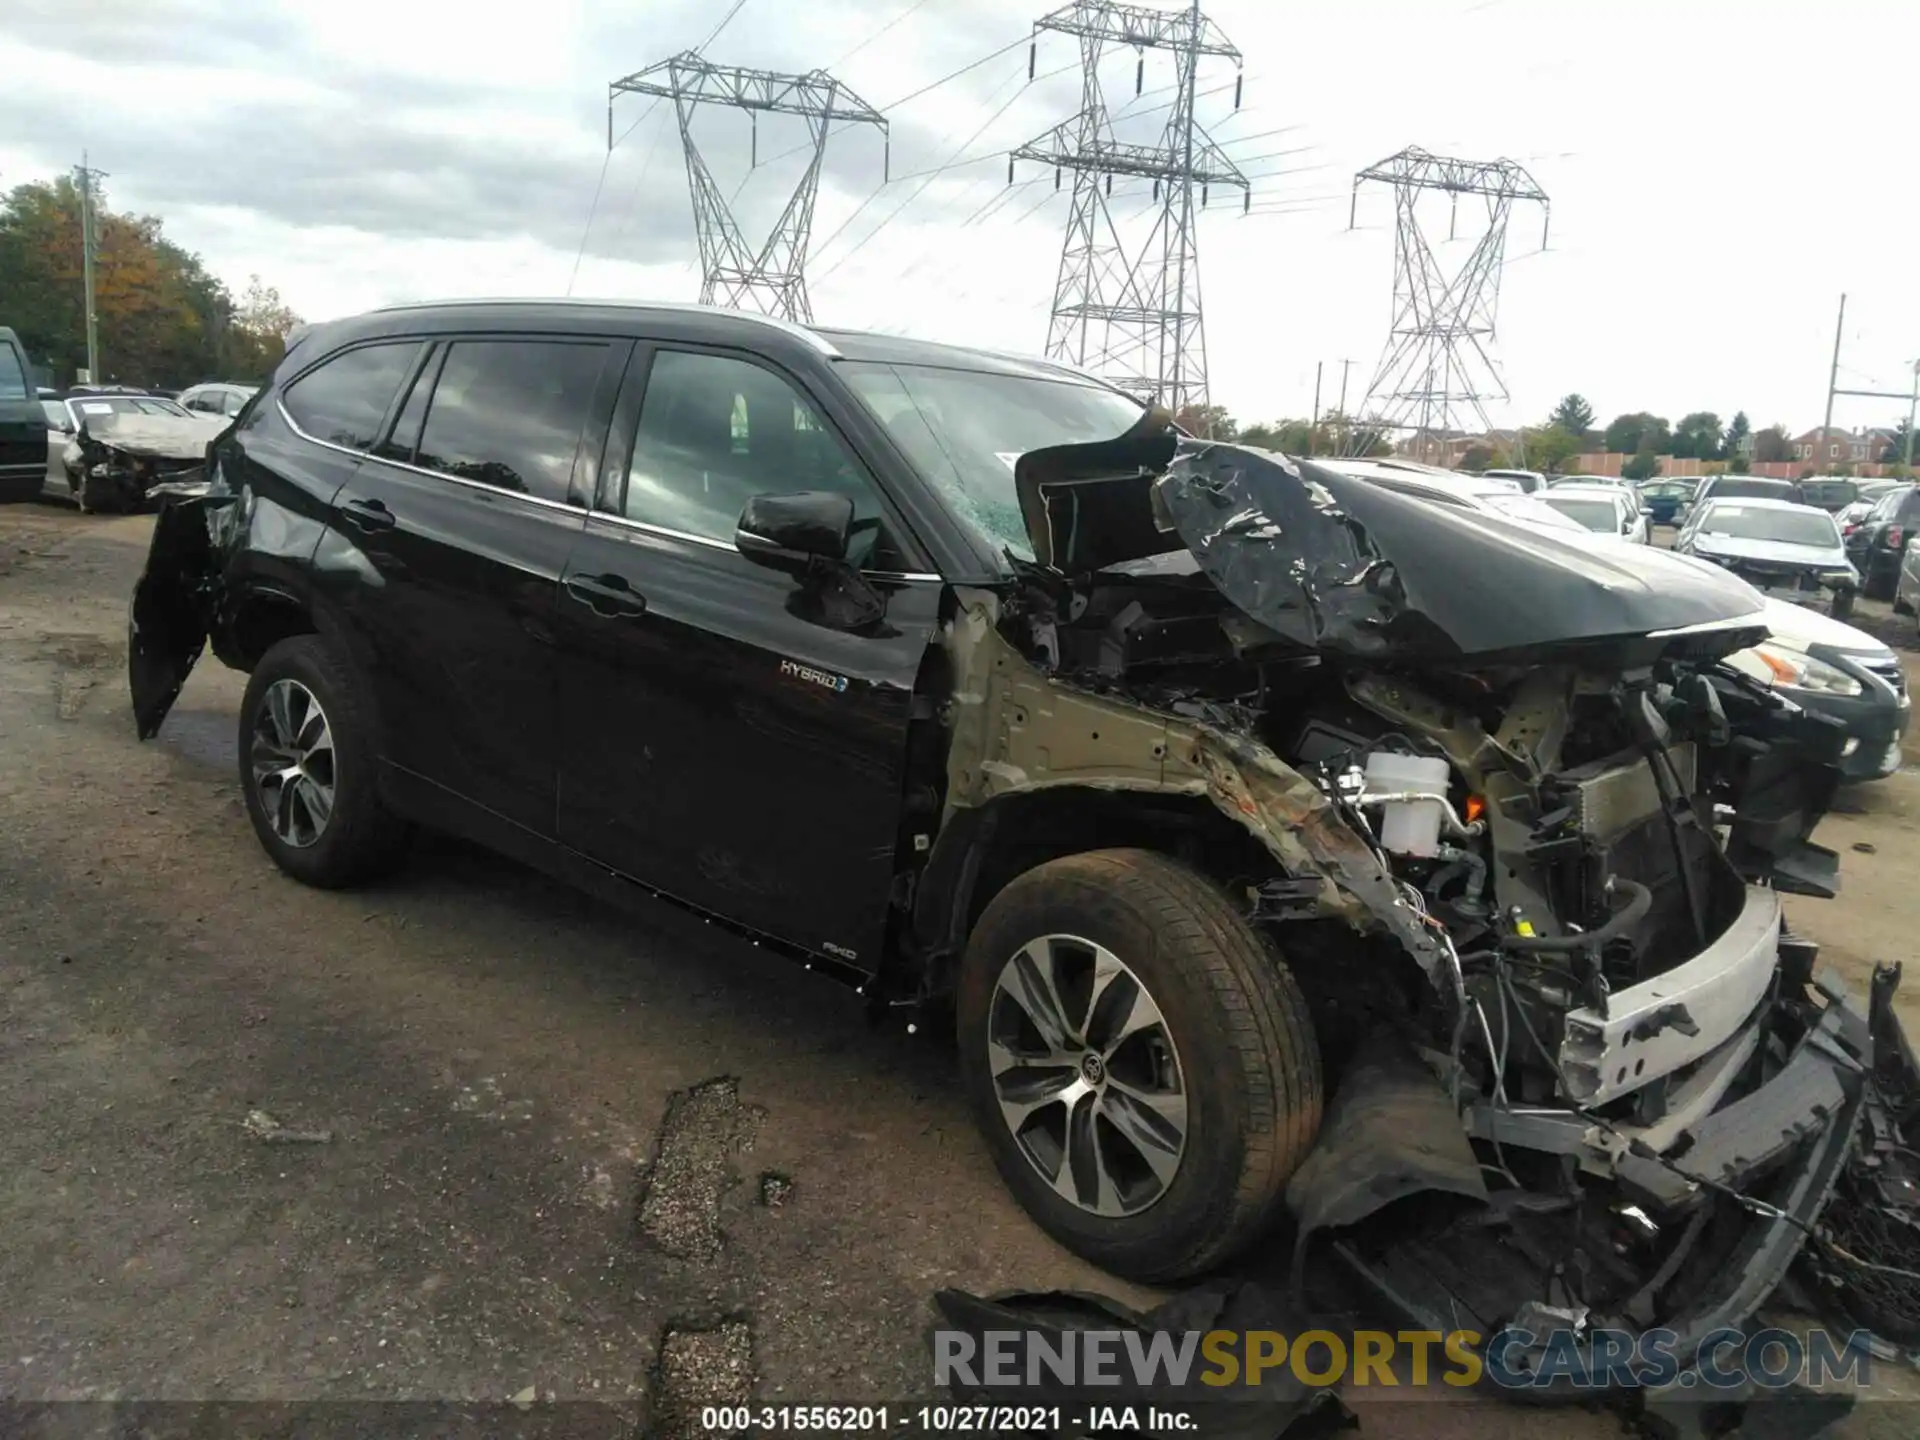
[1719, 172]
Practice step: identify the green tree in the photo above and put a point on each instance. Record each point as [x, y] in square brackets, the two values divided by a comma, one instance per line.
[1738, 438]
[1478, 456]
[258, 337]
[1643, 465]
[1549, 447]
[1697, 436]
[1771, 445]
[1896, 450]
[163, 318]
[1573, 415]
[1210, 422]
[1628, 433]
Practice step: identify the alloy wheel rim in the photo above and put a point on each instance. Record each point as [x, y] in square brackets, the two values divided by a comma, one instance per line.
[291, 755]
[1086, 1075]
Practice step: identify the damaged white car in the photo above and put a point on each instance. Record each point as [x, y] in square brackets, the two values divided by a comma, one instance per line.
[125, 454]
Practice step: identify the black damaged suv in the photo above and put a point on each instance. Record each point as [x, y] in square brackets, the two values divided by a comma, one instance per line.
[1210, 785]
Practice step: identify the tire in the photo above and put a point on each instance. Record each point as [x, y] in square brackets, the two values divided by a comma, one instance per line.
[1841, 606]
[357, 838]
[20, 492]
[1879, 585]
[1246, 1062]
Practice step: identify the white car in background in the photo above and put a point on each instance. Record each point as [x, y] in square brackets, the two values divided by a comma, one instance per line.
[1602, 509]
[217, 397]
[64, 417]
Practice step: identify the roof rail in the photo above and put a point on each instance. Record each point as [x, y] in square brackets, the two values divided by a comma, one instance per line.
[811, 338]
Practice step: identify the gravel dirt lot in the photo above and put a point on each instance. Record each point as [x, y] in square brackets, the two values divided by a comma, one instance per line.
[511, 1143]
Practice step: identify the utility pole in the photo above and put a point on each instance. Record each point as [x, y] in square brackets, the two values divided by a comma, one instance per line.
[1314, 424]
[1341, 443]
[733, 273]
[87, 241]
[1913, 403]
[1833, 376]
[1911, 396]
[1134, 318]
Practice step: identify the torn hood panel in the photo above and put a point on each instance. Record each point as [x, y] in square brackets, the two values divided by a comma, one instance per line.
[163, 437]
[1336, 563]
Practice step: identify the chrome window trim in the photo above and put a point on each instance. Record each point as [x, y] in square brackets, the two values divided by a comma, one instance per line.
[560, 505]
[482, 486]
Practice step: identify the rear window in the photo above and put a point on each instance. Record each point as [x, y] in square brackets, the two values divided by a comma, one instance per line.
[1758, 522]
[13, 374]
[344, 401]
[510, 413]
[1754, 490]
[1596, 512]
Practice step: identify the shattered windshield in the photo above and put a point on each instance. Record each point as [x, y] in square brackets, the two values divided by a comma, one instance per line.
[963, 429]
[1757, 522]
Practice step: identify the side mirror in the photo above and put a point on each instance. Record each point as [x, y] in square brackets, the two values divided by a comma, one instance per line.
[798, 532]
[1647, 510]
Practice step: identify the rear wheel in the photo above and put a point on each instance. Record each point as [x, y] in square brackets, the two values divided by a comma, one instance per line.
[308, 764]
[1140, 1062]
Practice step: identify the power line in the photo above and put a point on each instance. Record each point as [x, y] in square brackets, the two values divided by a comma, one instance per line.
[917, 4]
[928, 180]
[593, 206]
[714, 33]
[974, 65]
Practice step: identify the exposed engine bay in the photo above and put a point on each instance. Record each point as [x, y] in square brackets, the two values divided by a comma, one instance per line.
[1529, 837]
[125, 461]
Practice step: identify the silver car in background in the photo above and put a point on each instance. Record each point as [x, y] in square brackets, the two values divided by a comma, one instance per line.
[218, 397]
[1792, 552]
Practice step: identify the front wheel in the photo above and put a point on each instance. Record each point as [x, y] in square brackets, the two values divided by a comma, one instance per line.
[1141, 1063]
[1842, 604]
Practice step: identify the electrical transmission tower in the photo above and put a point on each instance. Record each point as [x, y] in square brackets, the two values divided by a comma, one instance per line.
[1436, 373]
[773, 278]
[1134, 318]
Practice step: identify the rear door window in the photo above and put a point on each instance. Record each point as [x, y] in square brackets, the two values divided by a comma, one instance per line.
[510, 413]
[13, 375]
[346, 399]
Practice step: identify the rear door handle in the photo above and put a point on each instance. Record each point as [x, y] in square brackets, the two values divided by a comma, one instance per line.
[368, 515]
[607, 595]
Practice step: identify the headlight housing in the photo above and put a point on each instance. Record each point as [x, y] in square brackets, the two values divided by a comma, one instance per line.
[1794, 669]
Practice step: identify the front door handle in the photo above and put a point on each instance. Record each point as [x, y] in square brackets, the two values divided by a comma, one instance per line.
[368, 515]
[607, 595]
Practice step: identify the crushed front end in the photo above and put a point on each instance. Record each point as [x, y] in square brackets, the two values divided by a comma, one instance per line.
[1536, 835]
[126, 462]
